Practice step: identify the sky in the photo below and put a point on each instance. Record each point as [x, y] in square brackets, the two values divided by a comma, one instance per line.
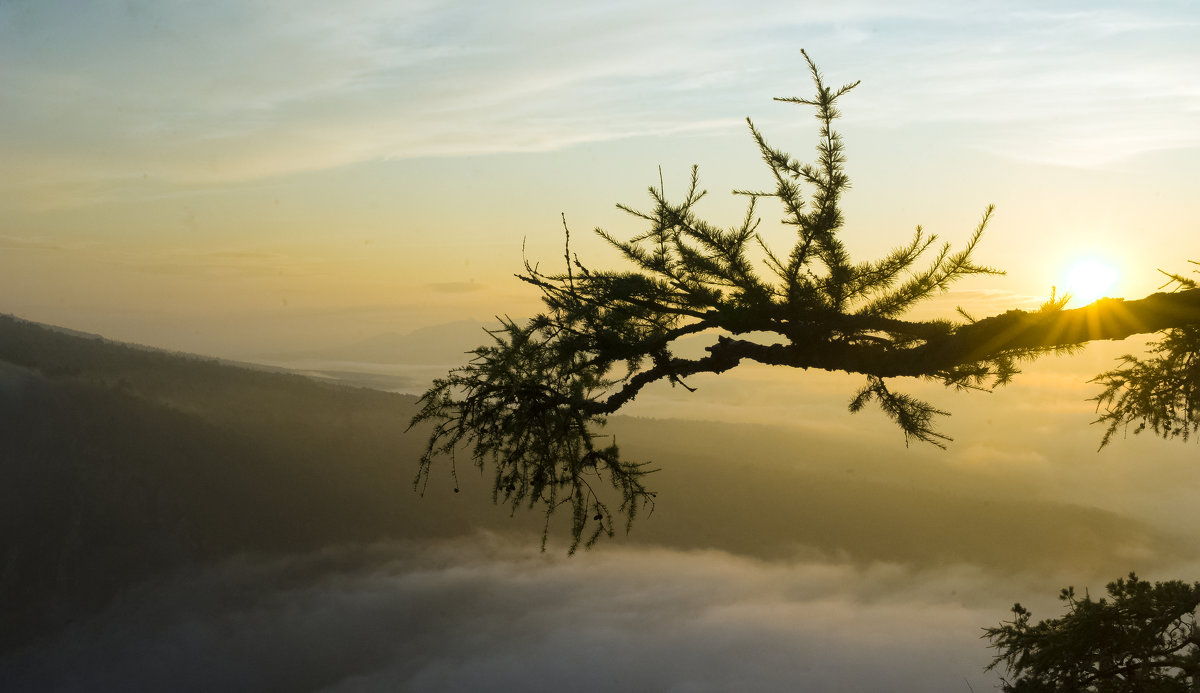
[237, 177]
[248, 179]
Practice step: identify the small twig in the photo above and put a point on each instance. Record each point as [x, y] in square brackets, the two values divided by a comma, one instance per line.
[567, 251]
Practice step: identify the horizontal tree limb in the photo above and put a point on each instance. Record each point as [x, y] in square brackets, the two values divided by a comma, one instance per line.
[1105, 319]
[1007, 333]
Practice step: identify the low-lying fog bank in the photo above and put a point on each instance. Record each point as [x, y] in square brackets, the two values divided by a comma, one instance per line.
[487, 613]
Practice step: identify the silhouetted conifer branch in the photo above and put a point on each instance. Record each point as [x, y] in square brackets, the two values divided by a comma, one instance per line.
[531, 405]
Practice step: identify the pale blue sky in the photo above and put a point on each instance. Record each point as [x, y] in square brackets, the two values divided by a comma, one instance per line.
[233, 90]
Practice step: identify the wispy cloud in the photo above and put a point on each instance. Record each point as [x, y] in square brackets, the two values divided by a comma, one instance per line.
[226, 91]
[455, 287]
[30, 243]
[1076, 85]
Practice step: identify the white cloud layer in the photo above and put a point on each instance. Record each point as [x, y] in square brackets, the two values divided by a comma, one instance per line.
[486, 615]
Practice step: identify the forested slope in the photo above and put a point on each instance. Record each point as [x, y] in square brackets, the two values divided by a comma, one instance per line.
[120, 462]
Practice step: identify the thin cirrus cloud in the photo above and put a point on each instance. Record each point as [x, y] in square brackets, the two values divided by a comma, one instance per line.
[1083, 86]
[41, 244]
[455, 287]
[229, 91]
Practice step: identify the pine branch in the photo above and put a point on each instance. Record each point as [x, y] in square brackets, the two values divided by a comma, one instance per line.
[531, 404]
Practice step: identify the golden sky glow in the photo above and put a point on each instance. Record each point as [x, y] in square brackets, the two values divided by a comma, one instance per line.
[227, 176]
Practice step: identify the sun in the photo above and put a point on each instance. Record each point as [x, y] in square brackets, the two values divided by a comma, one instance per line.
[1089, 279]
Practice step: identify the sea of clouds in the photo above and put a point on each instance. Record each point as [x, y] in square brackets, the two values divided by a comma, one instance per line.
[489, 613]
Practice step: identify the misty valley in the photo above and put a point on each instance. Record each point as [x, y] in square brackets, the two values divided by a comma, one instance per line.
[164, 510]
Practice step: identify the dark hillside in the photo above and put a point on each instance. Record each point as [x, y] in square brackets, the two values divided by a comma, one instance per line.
[121, 462]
